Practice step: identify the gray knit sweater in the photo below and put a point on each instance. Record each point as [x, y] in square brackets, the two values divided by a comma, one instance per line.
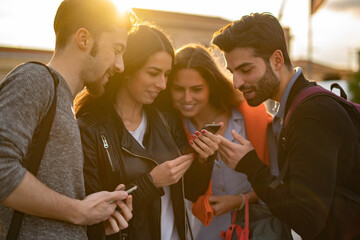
[25, 97]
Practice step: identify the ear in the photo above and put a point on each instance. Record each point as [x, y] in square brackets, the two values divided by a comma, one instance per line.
[277, 60]
[83, 38]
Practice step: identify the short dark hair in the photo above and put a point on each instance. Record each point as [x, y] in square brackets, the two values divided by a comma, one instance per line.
[96, 16]
[260, 31]
[222, 95]
[146, 40]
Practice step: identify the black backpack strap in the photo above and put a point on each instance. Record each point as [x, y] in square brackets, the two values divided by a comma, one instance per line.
[342, 92]
[301, 97]
[37, 149]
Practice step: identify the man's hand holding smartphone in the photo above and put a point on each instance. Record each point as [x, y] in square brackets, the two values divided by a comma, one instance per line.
[123, 213]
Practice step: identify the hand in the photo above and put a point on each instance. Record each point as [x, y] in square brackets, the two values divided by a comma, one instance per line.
[99, 206]
[231, 152]
[120, 218]
[224, 203]
[205, 142]
[170, 172]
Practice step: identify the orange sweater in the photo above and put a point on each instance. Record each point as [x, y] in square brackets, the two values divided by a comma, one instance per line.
[256, 122]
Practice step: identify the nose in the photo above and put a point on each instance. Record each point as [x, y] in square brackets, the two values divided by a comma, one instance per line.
[119, 63]
[187, 96]
[237, 81]
[161, 83]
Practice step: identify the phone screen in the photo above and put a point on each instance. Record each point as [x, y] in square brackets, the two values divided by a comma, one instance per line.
[212, 127]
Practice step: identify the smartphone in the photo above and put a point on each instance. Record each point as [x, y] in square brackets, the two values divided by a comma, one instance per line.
[212, 127]
[130, 188]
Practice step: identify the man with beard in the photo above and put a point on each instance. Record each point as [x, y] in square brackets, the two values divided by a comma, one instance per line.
[317, 197]
[90, 40]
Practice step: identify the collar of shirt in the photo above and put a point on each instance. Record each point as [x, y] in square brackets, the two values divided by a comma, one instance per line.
[279, 117]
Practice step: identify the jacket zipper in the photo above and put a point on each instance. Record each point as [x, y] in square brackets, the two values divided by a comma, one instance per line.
[106, 147]
[139, 156]
[152, 160]
[182, 178]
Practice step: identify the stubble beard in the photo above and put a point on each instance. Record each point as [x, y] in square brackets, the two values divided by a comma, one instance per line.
[94, 86]
[267, 86]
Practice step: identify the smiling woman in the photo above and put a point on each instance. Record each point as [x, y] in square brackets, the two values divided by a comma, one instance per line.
[136, 142]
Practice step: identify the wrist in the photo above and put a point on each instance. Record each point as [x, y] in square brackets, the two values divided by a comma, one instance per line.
[242, 201]
[75, 213]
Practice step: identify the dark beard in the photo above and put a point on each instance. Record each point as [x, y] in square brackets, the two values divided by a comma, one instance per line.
[267, 86]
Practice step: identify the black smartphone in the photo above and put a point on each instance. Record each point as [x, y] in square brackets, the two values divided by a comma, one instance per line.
[130, 188]
[212, 127]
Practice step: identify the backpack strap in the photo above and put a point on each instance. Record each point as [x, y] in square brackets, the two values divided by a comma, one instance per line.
[36, 152]
[304, 95]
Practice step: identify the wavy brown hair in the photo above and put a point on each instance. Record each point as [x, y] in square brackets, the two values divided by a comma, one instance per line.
[223, 95]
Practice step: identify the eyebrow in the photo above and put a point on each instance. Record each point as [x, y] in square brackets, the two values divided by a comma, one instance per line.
[196, 86]
[154, 68]
[240, 66]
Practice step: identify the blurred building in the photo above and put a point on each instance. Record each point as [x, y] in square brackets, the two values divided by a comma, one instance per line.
[11, 57]
[321, 72]
[182, 29]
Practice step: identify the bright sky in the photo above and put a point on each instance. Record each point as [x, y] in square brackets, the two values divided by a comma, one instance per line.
[336, 25]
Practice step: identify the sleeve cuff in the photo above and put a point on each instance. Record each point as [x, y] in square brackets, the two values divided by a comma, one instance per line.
[249, 164]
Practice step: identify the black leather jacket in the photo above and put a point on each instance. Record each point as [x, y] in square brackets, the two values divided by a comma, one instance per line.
[113, 156]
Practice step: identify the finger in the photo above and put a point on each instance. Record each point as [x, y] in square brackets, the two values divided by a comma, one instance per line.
[120, 220]
[180, 172]
[212, 199]
[200, 151]
[113, 225]
[115, 196]
[120, 187]
[224, 142]
[126, 212]
[201, 144]
[182, 167]
[238, 137]
[209, 139]
[179, 160]
[129, 202]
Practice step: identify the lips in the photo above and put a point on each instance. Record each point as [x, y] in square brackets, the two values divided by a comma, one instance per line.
[188, 107]
[153, 94]
[247, 92]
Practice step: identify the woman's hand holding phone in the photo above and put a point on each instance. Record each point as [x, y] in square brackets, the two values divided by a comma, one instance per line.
[205, 142]
[170, 172]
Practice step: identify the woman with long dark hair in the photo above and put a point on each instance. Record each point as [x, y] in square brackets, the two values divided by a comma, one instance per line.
[126, 140]
[201, 93]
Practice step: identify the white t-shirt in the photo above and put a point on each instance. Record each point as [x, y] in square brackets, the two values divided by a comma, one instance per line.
[168, 228]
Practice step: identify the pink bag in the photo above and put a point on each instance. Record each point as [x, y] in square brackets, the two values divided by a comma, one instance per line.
[241, 233]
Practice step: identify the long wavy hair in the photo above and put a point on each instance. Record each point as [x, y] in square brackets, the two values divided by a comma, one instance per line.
[223, 95]
[142, 43]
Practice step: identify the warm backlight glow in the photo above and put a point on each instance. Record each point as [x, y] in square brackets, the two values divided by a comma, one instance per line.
[123, 6]
[334, 39]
